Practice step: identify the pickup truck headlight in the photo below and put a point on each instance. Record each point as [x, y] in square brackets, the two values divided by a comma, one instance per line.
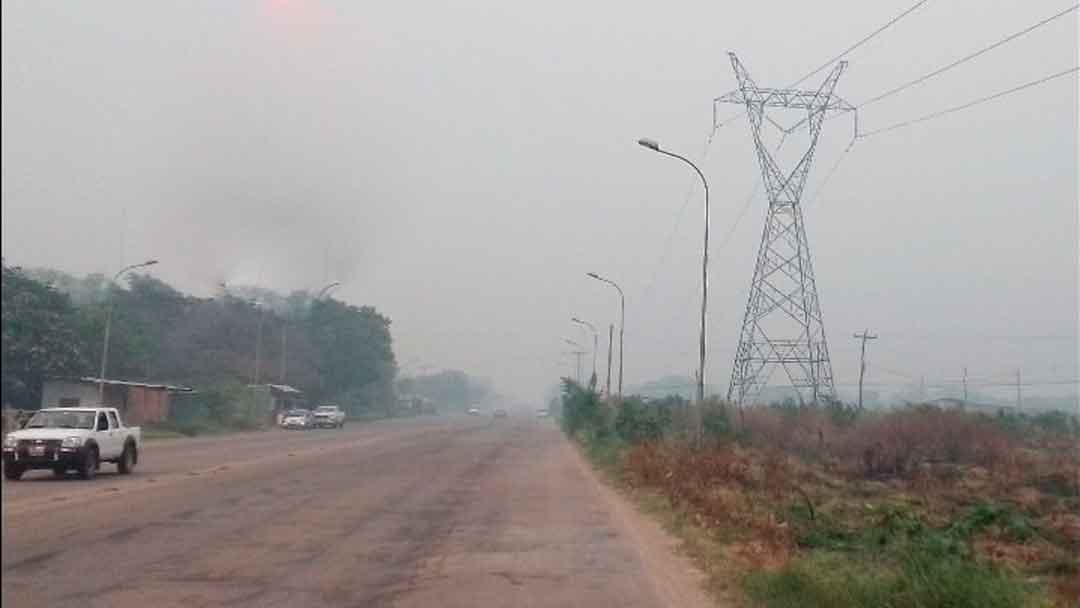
[71, 442]
[10, 442]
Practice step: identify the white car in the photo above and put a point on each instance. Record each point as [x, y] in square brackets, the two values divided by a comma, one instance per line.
[298, 419]
[329, 416]
[67, 438]
[473, 411]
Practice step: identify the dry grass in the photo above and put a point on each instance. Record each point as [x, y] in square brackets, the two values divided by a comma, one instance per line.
[796, 485]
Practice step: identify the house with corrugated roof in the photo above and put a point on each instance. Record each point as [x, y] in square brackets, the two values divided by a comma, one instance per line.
[138, 402]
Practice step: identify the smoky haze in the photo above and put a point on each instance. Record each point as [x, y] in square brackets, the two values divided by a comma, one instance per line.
[461, 167]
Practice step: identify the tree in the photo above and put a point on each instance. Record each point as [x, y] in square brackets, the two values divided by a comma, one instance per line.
[40, 338]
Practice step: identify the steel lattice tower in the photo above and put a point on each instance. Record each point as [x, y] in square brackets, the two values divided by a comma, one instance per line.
[782, 326]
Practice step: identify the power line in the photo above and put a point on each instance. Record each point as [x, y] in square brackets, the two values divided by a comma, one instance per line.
[967, 58]
[828, 176]
[846, 51]
[742, 212]
[861, 42]
[969, 104]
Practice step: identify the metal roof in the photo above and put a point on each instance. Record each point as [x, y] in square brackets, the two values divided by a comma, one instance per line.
[282, 388]
[166, 387]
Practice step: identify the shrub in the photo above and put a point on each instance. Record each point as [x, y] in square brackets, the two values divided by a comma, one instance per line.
[638, 421]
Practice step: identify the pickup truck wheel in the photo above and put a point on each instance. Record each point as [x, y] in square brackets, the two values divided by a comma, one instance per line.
[59, 472]
[89, 467]
[126, 464]
[14, 472]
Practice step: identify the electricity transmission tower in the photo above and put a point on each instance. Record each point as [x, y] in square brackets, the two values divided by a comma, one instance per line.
[782, 326]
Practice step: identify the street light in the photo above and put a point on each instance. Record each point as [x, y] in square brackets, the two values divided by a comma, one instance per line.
[108, 327]
[622, 321]
[594, 341]
[655, 147]
[285, 329]
[577, 354]
[326, 289]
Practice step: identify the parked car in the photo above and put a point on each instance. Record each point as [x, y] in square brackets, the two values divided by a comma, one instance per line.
[500, 413]
[542, 413]
[474, 411]
[298, 419]
[329, 416]
[62, 439]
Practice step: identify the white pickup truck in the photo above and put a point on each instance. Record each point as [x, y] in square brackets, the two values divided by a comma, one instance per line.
[66, 438]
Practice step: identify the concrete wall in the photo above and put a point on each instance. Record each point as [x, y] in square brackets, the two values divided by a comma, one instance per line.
[87, 394]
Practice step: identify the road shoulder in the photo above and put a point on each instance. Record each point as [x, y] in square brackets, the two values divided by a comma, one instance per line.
[675, 578]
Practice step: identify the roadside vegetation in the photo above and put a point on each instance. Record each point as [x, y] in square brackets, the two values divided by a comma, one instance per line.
[833, 507]
[53, 325]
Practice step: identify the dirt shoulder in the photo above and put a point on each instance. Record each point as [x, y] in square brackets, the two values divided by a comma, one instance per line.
[676, 578]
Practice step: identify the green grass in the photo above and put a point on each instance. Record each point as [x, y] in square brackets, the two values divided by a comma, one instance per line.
[918, 579]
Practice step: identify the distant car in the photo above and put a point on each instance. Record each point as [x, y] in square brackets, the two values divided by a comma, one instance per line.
[329, 416]
[298, 419]
[541, 413]
[474, 411]
[500, 413]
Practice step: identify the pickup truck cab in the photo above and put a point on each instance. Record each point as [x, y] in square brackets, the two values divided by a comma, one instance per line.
[66, 438]
[329, 416]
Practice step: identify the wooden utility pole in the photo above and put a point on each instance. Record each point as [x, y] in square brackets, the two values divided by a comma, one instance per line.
[965, 386]
[864, 336]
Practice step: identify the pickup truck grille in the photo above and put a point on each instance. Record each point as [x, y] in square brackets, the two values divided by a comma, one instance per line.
[51, 444]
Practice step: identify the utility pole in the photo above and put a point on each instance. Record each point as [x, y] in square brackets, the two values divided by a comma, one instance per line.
[964, 380]
[610, 339]
[864, 336]
[922, 387]
[258, 344]
[284, 348]
[1019, 398]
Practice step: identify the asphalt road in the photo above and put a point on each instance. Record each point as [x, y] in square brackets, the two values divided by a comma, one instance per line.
[467, 511]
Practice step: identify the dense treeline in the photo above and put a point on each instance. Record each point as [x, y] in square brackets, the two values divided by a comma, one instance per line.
[53, 324]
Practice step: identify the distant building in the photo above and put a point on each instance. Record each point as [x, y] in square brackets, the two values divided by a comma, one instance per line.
[138, 402]
[276, 399]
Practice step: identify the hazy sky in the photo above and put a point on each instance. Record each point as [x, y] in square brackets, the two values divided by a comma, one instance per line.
[462, 165]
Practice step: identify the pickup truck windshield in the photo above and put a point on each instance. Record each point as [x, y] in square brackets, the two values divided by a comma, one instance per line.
[61, 420]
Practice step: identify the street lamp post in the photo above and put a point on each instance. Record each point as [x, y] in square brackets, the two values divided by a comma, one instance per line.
[108, 327]
[325, 290]
[285, 329]
[577, 354]
[622, 321]
[595, 341]
[655, 147]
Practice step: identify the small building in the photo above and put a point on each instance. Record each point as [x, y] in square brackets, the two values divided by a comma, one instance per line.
[138, 402]
[276, 399]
